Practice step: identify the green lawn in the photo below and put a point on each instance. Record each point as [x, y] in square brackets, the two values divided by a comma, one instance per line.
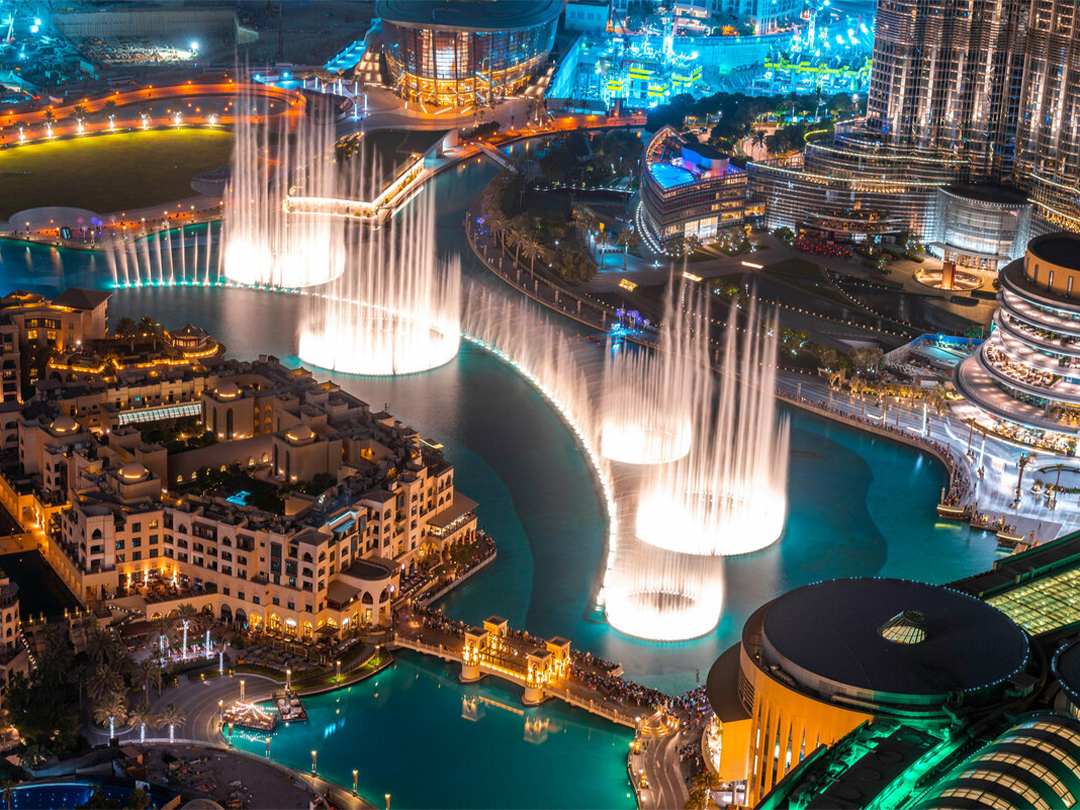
[108, 173]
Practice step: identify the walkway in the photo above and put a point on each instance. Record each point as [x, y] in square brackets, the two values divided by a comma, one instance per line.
[544, 668]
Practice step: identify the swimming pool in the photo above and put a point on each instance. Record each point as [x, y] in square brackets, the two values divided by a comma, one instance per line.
[669, 176]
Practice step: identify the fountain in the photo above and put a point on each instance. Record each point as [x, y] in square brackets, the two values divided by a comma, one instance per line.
[396, 311]
[265, 242]
[642, 422]
[728, 495]
[168, 256]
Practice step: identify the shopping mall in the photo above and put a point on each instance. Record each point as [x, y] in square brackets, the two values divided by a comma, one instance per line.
[460, 53]
[821, 660]
[1025, 378]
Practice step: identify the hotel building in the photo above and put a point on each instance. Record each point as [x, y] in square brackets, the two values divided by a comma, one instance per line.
[307, 514]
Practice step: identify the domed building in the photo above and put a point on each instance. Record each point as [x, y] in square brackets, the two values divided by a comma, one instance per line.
[821, 660]
[1026, 377]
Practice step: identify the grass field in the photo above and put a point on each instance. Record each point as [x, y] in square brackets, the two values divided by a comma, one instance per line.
[108, 173]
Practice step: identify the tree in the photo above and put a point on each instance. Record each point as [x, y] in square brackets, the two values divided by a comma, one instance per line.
[109, 709]
[126, 327]
[172, 717]
[104, 681]
[758, 138]
[7, 792]
[148, 672]
[784, 234]
[80, 112]
[142, 716]
[867, 359]
[627, 240]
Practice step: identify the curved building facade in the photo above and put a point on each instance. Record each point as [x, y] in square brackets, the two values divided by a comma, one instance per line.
[981, 227]
[461, 53]
[689, 189]
[1028, 372]
[1035, 763]
[854, 176]
[821, 660]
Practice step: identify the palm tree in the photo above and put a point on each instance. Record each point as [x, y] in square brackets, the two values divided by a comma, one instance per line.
[80, 112]
[163, 624]
[104, 681]
[187, 615]
[602, 240]
[111, 708]
[758, 139]
[148, 672]
[172, 716]
[142, 716]
[627, 240]
[7, 792]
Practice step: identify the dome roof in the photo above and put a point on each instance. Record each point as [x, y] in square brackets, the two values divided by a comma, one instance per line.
[133, 471]
[227, 390]
[299, 434]
[64, 424]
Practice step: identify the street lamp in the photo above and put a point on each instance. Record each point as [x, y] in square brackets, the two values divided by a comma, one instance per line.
[314, 757]
[387, 801]
[355, 775]
[339, 670]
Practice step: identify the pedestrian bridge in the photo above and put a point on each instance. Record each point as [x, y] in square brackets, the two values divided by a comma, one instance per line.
[541, 667]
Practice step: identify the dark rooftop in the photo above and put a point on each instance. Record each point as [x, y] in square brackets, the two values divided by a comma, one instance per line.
[830, 631]
[988, 192]
[1061, 249]
[486, 15]
[77, 298]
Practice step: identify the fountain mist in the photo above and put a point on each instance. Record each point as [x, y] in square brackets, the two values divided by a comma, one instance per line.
[729, 494]
[397, 308]
[266, 243]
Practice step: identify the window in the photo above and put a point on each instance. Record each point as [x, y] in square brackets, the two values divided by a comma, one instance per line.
[119, 545]
[255, 600]
[136, 556]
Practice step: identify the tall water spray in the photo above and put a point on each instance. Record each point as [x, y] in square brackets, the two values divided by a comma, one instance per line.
[645, 416]
[729, 494]
[397, 308]
[266, 241]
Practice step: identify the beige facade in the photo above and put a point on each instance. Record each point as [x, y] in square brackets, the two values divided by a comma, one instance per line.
[116, 521]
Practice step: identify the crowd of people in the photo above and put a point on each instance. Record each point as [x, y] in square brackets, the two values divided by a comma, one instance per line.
[692, 705]
[432, 619]
[619, 689]
[1019, 371]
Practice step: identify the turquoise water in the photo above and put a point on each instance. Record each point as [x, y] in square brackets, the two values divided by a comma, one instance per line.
[859, 505]
[409, 734]
[669, 176]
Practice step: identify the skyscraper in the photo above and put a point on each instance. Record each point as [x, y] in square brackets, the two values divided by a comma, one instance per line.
[963, 94]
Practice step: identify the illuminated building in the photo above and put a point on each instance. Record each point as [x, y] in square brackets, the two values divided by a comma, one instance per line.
[821, 660]
[29, 324]
[690, 189]
[461, 53]
[118, 516]
[961, 98]
[1028, 372]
